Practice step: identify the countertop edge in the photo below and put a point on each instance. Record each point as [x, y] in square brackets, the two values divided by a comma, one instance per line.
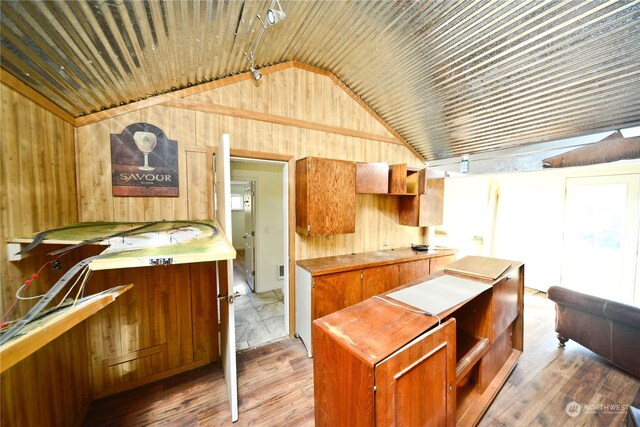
[343, 266]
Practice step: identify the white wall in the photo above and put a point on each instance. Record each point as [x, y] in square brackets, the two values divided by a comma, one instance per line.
[528, 220]
[269, 220]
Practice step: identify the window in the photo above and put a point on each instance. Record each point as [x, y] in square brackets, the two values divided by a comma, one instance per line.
[236, 202]
[601, 237]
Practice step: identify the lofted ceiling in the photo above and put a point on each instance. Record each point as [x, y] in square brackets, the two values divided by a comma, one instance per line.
[451, 77]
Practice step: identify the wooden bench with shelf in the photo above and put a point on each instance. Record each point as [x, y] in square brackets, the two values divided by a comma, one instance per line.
[442, 370]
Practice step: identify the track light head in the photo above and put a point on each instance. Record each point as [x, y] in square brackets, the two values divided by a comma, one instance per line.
[275, 15]
[255, 73]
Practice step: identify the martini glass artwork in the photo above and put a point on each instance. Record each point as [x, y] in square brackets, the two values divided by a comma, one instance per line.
[146, 142]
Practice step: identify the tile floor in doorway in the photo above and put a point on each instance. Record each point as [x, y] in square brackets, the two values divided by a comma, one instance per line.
[259, 317]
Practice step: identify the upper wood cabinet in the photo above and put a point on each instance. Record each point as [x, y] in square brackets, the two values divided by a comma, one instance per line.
[420, 192]
[325, 196]
[393, 180]
[372, 178]
[423, 209]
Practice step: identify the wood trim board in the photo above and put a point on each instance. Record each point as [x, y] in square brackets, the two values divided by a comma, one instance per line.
[55, 325]
[224, 110]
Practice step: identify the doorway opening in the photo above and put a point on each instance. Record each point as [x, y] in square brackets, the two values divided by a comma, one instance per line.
[260, 228]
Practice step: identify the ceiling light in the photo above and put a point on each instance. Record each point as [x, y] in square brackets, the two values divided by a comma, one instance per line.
[256, 74]
[275, 15]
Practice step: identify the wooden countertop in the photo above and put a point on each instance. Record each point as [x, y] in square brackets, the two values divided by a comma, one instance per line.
[341, 263]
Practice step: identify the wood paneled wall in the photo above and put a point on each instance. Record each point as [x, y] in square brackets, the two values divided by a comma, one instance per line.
[38, 191]
[166, 323]
[313, 117]
[291, 93]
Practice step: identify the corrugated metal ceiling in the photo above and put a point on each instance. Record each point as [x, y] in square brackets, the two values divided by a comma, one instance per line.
[451, 77]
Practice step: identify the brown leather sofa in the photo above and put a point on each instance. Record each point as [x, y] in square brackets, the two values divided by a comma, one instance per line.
[608, 328]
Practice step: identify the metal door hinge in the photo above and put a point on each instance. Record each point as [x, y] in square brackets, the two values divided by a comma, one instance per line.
[308, 166]
[308, 228]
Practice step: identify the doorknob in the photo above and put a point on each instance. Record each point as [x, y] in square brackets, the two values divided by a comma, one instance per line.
[230, 298]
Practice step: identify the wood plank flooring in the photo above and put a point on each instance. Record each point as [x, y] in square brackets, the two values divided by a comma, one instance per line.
[276, 387]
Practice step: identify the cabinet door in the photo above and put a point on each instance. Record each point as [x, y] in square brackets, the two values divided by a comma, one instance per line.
[372, 178]
[439, 263]
[413, 270]
[415, 386]
[334, 292]
[325, 196]
[377, 280]
[425, 209]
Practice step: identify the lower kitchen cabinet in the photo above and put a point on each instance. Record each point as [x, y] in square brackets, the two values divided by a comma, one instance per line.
[326, 285]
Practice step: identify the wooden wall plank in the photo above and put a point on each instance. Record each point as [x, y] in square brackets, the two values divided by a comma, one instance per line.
[38, 191]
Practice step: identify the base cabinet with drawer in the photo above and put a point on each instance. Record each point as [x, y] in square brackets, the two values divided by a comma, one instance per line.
[326, 285]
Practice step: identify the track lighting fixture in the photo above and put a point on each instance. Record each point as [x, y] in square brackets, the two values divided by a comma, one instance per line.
[274, 16]
[255, 73]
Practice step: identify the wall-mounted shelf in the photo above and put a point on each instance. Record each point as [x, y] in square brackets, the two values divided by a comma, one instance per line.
[420, 192]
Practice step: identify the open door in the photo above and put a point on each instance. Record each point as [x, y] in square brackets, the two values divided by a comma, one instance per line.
[250, 233]
[225, 276]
